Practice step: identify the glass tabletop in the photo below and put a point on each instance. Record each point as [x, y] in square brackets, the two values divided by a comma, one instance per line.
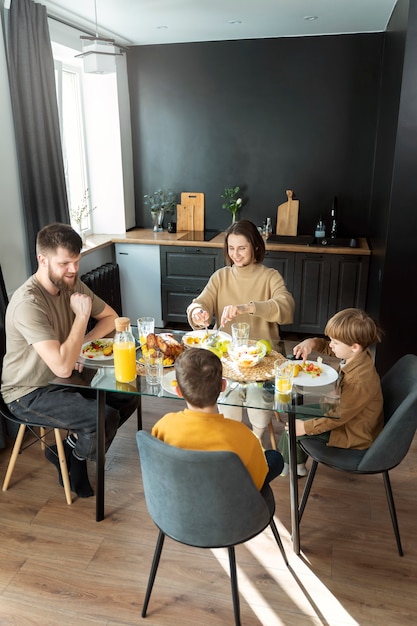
[258, 394]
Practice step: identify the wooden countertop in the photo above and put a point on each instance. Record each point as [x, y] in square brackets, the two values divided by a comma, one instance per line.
[148, 236]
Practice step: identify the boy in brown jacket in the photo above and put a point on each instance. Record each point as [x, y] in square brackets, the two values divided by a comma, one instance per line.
[351, 332]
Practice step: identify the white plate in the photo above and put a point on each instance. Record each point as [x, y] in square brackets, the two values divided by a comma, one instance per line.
[166, 382]
[197, 336]
[327, 376]
[97, 357]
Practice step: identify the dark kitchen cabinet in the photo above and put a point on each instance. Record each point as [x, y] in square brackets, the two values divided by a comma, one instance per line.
[321, 285]
[349, 282]
[184, 273]
[311, 292]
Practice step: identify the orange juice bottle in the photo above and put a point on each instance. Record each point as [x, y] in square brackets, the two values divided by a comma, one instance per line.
[124, 351]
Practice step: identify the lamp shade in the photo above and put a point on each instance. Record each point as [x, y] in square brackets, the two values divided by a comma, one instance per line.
[99, 55]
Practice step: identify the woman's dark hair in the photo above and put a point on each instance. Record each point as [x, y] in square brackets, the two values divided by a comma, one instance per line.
[252, 234]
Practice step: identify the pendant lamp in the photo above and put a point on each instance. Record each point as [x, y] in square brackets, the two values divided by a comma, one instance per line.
[99, 53]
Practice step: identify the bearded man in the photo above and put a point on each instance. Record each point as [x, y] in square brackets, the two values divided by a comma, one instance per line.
[46, 326]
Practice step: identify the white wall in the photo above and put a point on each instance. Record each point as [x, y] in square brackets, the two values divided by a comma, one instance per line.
[13, 256]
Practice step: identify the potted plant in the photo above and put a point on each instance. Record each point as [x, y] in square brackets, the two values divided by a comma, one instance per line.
[232, 201]
[80, 213]
[160, 202]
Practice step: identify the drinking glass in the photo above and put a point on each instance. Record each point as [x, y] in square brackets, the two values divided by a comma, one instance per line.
[284, 374]
[154, 365]
[146, 326]
[240, 332]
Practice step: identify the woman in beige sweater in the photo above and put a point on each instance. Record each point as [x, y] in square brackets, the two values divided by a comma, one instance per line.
[247, 290]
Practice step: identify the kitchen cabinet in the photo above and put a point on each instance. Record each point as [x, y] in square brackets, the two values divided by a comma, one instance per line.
[140, 272]
[349, 282]
[321, 285]
[184, 273]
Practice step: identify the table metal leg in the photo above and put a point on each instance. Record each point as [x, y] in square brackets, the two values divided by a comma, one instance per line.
[100, 453]
[139, 413]
[295, 521]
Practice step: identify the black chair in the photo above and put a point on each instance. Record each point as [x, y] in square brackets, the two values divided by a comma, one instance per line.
[22, 428]
[399, 388]
[202, 499]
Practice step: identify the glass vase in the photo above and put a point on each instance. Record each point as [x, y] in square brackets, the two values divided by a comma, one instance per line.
[157, 218]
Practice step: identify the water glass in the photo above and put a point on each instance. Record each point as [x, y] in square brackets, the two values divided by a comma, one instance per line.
[154, 365]
[284, 375]
[146, 326]
[240, 332]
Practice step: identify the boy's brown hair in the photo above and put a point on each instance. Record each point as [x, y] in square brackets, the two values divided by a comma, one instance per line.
[353, 326]
[199, 376]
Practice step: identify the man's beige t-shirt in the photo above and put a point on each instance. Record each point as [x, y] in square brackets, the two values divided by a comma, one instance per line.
[35, 315]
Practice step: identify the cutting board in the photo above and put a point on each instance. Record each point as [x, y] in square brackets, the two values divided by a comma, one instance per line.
[287, 216]
[190, 213]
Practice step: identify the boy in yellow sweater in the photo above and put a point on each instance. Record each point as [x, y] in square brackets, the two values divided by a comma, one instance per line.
[201, 427]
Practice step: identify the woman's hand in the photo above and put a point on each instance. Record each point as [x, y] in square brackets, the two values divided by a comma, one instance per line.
[303, 349]
[233, 310]
[200, 317]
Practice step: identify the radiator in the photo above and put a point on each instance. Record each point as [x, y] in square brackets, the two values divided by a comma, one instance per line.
[105, 282]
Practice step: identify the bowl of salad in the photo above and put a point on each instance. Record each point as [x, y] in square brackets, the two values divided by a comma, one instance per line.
[247, 354]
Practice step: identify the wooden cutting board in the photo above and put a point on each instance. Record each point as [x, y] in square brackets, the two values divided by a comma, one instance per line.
[190, 213]
[287, 216]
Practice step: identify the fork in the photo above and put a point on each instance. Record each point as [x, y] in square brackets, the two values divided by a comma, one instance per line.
[213, 338]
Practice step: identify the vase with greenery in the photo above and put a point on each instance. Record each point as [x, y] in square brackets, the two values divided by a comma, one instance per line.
[232, 201]
[80, 213]
[161, 202]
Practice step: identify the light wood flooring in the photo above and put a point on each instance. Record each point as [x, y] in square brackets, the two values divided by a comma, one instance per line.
[60, 567]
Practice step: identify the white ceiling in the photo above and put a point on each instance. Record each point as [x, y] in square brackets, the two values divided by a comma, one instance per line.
[140, 22]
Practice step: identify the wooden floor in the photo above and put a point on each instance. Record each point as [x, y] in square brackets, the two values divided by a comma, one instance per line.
[60, 567]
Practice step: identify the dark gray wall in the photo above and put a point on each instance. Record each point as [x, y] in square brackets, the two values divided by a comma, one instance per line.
[319, 115]
[268, 115]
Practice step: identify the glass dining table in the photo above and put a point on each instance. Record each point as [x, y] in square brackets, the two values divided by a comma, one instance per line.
[252, 393]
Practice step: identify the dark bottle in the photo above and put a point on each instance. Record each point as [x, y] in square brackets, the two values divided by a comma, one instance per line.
[333, 218]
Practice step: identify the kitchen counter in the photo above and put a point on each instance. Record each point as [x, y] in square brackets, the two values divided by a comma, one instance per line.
[164, 238]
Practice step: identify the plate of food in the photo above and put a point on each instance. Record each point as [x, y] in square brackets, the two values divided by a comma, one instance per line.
[164, 342]
[197, 338]
[169, 383]
[313, 373]
[98, 350]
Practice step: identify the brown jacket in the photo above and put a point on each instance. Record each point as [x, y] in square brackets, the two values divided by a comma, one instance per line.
[361, 403]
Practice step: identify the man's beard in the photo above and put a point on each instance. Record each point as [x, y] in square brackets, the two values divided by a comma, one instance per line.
[60, 283]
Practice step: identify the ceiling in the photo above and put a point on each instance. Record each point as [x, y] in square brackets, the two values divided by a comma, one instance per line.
[141, 22]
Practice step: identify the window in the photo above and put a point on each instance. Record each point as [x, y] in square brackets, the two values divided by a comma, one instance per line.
[68, 84]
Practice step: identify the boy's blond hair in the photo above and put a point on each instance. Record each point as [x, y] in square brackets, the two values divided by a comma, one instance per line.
[353, 326]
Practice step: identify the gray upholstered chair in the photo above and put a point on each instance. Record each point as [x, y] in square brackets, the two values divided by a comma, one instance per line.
[22, 428]
[399, 388]
[202, 499]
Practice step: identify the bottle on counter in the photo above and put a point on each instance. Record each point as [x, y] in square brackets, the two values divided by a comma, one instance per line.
[124, 351]
[320, 231]
[333, 219]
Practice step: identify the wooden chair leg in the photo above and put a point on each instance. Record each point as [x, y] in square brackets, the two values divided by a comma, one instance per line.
[14, 455]
[272, 435]
[63, 465]
[42, 430]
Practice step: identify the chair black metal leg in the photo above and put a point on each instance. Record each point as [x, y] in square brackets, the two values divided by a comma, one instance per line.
[233, 582]
[307, 488]
[393, 512]
[155, 563]
[278, 539]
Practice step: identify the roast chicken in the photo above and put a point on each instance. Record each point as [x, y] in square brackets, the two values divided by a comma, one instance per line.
[166, 343]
